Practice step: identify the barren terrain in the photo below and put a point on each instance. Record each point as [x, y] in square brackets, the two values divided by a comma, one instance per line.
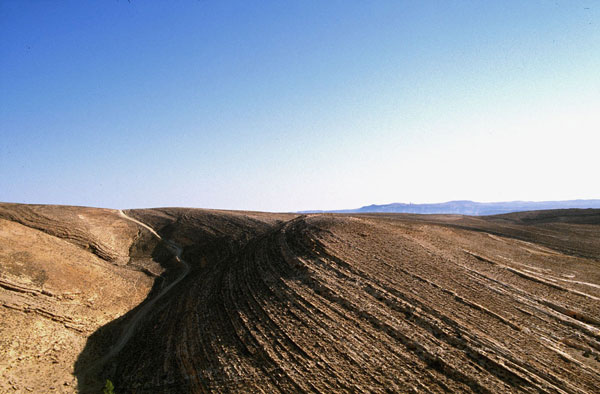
[258, 302]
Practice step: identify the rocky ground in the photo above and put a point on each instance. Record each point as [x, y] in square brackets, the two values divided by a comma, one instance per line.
[292, 303]
[65, 272]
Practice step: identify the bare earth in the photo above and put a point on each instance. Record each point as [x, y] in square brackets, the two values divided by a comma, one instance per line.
[298, 303]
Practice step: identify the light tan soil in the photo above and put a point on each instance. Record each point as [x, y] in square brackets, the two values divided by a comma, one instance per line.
[311, 303]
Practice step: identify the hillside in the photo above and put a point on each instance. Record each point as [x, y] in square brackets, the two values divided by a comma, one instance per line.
[300, 303]
[65, 272]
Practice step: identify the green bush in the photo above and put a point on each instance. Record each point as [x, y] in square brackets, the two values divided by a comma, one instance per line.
[109, 388]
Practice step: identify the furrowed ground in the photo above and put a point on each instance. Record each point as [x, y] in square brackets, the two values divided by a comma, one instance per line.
[322, 303]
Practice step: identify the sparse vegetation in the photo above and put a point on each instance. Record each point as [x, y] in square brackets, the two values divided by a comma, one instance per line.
[109, 388]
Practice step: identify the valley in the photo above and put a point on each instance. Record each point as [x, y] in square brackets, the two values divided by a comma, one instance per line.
[178, 300]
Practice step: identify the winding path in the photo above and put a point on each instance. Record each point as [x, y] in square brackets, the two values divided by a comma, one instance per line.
[144, 225]
[129, 329]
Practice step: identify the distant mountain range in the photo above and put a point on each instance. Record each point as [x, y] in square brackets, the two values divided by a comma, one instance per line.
[470, 207]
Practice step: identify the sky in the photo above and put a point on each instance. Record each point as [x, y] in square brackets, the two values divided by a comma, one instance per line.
[288, 106]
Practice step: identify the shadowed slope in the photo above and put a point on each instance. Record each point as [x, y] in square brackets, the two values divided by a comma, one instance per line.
[205, 237]
[288, 303]
[324, 302]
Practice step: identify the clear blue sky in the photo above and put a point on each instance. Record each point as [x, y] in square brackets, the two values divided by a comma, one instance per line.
[283, 106]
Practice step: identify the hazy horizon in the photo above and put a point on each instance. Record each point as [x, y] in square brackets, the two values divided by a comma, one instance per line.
[555, 205]
[291, 107]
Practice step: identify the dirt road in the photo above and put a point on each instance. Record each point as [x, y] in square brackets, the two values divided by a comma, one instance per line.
[143, 311]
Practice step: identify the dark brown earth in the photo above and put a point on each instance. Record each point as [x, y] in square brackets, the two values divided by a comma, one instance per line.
[289, 303]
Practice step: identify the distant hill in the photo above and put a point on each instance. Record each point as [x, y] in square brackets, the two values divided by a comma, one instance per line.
[465, 207]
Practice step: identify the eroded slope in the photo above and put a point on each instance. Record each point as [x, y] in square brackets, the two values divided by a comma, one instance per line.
[327, 303]
[64, 273]
[288, 303]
